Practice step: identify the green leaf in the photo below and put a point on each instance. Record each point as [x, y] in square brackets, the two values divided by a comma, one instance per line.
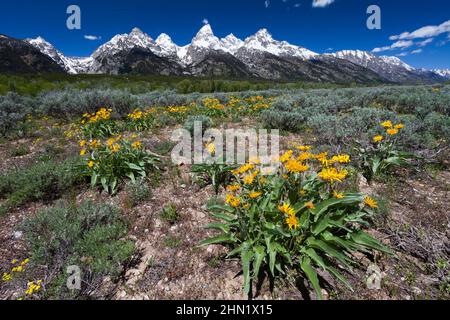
[133, 166]
[316, 258]
[321, 225]
[235, 252]
[223, 238]
[339, 276]
[272, 259]
[131, 176]
[221, 208]
[218, 226]
[366, 240]
[260, 253]
[94, 179]
[246, 258]
[330, 250]
[104, 183]
[311, 274]
[348, 199]
[225, 217]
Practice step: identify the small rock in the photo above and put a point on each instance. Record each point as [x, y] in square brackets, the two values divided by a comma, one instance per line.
[416, 291]
[18, 235]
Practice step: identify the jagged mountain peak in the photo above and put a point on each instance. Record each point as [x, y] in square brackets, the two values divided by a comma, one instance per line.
[136, 31]
[263, 41]
[206, 30]
[442, 72]
[120, 42]
[166, 45]
[231, 43]
[206, 48]
[163, 38]
[264, 33]
[205, 38]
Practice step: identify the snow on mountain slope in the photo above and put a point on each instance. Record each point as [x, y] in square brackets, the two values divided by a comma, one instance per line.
[206, 43]
[263, 41]
[70, 64]
[122, 42]
[232, 44]
[442, 72]
[167, 47]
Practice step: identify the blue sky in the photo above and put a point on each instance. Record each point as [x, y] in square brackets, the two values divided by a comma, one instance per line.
[336, 26]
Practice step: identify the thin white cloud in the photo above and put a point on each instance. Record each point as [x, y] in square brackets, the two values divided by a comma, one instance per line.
[321, 3]
[297, 5]
[402, 45]
[425, 42]
[267, 3]
[403, 54]
[91, 37]
[424, 32]
[417, 51]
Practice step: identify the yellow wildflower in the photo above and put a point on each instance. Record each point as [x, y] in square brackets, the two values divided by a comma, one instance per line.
[6, 277]
[82, 143]
[292, 222]
[399, 126]
[211, 148]
[371, 202]
[386, 124]
[233, 201]
[285, 157]
[137, 145]
[91, 164]
[294, 166]
[83, 152]
[377, 139]
[305, 156]
[338, 195]
[254, 160]
[310, 205]
[392, 132]
[287, 209]
[245, 168]
[342, 158]
[95, 144]
[332, 174]
[304, 148]
[255, 195]
[115, 148]
[233, 188]
[250, 178]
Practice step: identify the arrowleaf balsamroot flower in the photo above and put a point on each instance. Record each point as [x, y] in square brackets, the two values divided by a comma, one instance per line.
[233, 188]
[333, 174]
[392, 132]
[233, 201]
[310, 205]
[292, 222]
[387, 124]
[294, 166]
[338, 195]
[287, 209]
[378, 139]
[370, 202]
[254, 195]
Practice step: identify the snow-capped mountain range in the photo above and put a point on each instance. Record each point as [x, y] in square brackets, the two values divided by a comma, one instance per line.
[138, 52]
